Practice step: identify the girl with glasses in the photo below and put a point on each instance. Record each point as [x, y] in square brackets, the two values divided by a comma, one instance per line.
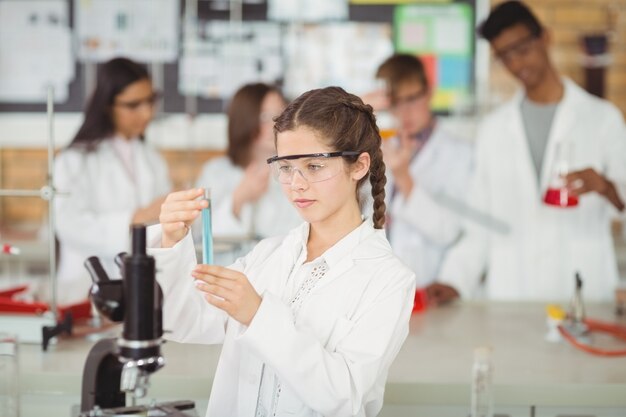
[309, 321]
[109, 176]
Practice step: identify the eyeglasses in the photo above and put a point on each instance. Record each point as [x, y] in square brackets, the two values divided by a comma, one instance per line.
[519, 48]
[409, 100]
[133, 105]
[313, 167]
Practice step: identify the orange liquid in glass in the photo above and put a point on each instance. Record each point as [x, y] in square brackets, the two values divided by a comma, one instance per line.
[386, 134]
[560, 197]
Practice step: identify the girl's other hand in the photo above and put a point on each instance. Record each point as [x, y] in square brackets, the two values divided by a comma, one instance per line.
[228, 290]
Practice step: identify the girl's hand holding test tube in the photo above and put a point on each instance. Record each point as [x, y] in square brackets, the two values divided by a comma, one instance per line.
[228, 290]
[178, 212]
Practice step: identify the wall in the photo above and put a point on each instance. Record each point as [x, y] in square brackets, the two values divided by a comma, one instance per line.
[26, 168]
[567, 21]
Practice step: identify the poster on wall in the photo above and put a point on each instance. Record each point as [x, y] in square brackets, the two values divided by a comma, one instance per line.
[35, 50]
[143, 30]
[307, 10]
[344, 54]
[219, 57]
[443, 37]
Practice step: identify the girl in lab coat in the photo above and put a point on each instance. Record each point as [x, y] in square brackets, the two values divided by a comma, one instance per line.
[245, 203]
[310, 321]
[109, 178]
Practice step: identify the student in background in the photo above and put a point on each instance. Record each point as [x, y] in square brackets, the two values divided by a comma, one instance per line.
[110, 178]
[424, 163]
[516, 150]
[310, 322]
[245, 203]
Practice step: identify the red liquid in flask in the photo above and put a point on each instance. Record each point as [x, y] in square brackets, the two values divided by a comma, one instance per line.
[560, 197]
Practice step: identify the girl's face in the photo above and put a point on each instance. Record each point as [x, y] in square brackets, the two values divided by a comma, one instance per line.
[326, 201]
[272, 106]
[133, 109]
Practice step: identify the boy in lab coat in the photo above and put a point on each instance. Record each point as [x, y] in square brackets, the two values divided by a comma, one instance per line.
[540, 248]
[424, 163]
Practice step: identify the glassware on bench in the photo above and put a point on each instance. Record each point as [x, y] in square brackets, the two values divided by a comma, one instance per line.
[557, 193]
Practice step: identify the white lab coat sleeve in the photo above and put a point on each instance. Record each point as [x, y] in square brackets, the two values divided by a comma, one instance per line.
[77, 222]
[420, 209]
[334, 378]
[466, 261]
[187, 316]
[614, 135]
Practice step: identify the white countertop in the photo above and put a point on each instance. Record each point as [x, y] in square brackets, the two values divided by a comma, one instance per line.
[433, 367]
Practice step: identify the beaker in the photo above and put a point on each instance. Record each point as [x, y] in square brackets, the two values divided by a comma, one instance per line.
[557, 194]
[9, 372]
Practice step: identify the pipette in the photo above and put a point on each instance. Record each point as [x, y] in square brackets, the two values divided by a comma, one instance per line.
[207, 232]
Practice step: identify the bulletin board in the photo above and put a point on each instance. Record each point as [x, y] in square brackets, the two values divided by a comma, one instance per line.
[452, 73]
[443, 37]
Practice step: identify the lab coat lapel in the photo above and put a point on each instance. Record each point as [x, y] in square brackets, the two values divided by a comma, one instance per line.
[524, 165]
[564, 119]
[370, 241]
[144, 174]
[425, 156]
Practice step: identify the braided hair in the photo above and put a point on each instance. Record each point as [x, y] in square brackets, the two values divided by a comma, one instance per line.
[349, 125]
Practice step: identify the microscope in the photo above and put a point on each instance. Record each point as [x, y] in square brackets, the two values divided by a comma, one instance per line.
[117, 367]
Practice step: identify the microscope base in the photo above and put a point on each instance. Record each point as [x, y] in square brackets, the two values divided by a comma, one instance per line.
[166, 409]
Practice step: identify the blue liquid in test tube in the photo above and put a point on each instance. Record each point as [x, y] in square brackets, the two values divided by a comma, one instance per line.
[207, 232]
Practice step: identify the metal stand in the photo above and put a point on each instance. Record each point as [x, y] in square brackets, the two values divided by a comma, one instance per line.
[30, 329]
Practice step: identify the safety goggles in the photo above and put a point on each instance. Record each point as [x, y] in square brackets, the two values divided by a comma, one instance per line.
[134, 105]
[313, 167]
[518, 49]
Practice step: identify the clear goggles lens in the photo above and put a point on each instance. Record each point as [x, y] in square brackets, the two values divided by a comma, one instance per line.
[313, 167]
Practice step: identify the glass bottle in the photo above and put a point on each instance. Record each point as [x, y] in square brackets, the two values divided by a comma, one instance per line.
[482, 383]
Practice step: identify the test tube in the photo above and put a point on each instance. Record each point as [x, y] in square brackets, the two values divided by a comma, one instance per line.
[207, 232]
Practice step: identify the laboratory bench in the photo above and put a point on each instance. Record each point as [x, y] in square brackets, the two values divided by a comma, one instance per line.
[430, 377]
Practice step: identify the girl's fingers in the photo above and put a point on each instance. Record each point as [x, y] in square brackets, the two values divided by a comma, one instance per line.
[184, 205]
[217, 302]
[218, 271]
[213, 280]
[178, 216]
[214, 290]
[185, 195]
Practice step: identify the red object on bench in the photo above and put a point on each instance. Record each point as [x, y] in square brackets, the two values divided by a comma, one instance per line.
[8, 304]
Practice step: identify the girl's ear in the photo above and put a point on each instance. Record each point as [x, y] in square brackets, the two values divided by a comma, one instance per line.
[361, 167]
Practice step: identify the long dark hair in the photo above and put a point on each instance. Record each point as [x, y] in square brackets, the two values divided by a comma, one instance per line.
[113, 77]
[244, 122]
[349, 125]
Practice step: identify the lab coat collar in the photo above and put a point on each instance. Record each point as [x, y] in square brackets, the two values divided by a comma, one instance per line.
[357, 244]
[563, 120]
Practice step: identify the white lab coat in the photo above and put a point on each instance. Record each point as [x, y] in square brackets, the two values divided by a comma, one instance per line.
[422, 228]
[93, 219]
[271, 215]
[333, 361]
[544, 246]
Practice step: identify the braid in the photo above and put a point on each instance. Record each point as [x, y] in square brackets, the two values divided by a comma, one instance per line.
[377, 166]
[363, 108]
[378, 181]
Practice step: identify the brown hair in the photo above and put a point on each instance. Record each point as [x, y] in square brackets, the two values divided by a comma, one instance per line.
[349, 125]
[244, 114]
[401, 68]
